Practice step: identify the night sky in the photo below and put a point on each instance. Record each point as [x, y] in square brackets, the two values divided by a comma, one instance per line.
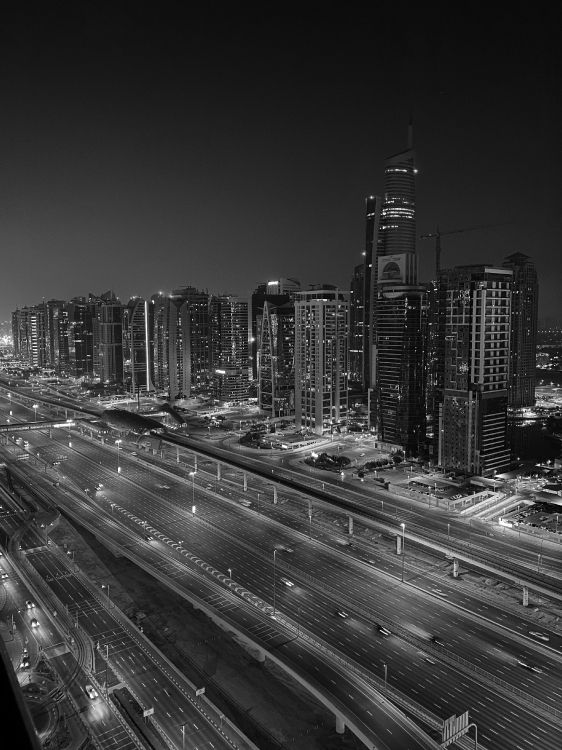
[148, 147]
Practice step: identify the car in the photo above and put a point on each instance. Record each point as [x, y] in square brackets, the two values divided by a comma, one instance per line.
[148, 538]
[382, 630]
[342, 613]
[542, 636]
[91, 692]
[429, 659]
[287, 582]
[99, 486]
[437, 640]
[162, 486]
[3, 573]
[25, 662]
[29, 604]
[34, 622]
[134, 453]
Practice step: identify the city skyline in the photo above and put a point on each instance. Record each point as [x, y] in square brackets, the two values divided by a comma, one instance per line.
[144, 156]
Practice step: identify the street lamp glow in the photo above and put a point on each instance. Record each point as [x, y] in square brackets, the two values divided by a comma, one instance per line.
[118, 443]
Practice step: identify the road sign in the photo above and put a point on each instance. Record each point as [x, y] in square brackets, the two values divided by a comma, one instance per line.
[148, 712]
[200, 691]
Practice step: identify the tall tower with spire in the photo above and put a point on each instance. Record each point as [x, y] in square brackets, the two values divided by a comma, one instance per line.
[397, 307]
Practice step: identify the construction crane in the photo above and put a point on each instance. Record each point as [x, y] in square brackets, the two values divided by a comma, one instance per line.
[438, 234]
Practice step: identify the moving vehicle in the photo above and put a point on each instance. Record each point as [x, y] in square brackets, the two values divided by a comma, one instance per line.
[148, 538]
[382, 630]
[342, 613]
[34, 623]
[25, 662]
[542, 636]
[437, 640]
[529, 666]
[287, 582]
[3, 573]
[91, 692]
[29, 604]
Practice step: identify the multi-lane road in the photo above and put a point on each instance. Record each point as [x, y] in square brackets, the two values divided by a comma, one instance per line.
[235, 553]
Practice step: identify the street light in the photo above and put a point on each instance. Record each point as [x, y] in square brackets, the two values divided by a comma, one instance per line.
[274, 560]
[192, 475]
[106, 586]
[230, 573]
[118, 443]
[36, 406]
[403, 550]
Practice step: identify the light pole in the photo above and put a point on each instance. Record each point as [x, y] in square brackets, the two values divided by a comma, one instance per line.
[106, 666]
[258, 502]
[230, 573]
[448, 528]
[192, 475]
[106, 586]
[403, 550]
[274, 560]
[118, 443]
[35, 406]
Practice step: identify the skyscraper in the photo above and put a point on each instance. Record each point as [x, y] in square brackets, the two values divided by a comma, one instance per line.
[357, 344]
[171, 345]
[476, 306]
[137, 347]
[396, 311]
[276, 358]
[199, 337]
[524, 322]
[110, 315]
[278, 292]
[229, 348]
[321, 358]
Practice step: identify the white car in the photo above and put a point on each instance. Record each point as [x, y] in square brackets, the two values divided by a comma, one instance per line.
[287, 582]
[29, 604]
[91, 692]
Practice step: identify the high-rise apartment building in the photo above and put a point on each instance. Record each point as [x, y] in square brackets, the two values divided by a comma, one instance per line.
[524, 323]
[199, 344]
[321, 358]
[171, 345]
[229, 348]
[475, 306]
[30, 335]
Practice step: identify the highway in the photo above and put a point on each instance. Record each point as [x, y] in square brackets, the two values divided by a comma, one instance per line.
[228, 535]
